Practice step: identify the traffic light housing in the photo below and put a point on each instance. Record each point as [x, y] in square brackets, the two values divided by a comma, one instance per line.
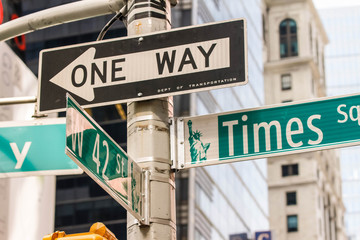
[98, 231]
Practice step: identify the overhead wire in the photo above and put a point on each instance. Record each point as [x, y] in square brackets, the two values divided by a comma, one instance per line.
[119, 16]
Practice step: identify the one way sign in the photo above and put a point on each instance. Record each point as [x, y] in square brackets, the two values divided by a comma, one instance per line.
[166, 63]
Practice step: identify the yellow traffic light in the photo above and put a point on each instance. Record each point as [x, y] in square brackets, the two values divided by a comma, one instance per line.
[55, 235]
[98, 231]
[78, 236]
[102, 230]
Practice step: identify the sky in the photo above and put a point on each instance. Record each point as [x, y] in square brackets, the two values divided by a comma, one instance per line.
[335, 3]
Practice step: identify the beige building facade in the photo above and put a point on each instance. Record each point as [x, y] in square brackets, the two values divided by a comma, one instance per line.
[304, 189]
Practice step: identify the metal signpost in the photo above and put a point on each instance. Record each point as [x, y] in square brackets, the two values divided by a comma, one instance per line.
[268, 132]
[104, 161]
[149, 66]
[34, 147]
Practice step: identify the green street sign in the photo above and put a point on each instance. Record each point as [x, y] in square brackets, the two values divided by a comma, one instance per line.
[269, 131]
[103, 160]
[34, 147]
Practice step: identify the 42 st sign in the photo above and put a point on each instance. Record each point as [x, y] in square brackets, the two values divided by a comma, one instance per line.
[93, 150]
[156, 65]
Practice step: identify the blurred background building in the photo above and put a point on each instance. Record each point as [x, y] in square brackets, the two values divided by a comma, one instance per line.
[213, 202]
[342, 60]
[304, 189]
[33, 195]
[219, 201]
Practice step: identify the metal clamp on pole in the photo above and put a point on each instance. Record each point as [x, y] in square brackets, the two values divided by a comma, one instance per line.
[177, 143]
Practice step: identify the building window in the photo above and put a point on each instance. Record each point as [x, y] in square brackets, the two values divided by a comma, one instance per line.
[182, 189]
[317, 52]
[285, 82]
[182, 230]
[292, 223]
[312, 85]
[216, 3]
[288, 38]
[290, 170]
[311, 39]
[80, 202]
[291, 198]
[198, 235]
[318, 173]
[264, 28]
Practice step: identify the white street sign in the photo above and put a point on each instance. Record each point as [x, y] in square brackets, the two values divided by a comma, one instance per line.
[268, 131]
[160, 64]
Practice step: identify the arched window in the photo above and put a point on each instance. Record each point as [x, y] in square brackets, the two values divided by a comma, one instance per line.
[288, 38]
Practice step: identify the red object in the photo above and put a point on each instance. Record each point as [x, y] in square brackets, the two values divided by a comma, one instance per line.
[1, 13]
[19, 41]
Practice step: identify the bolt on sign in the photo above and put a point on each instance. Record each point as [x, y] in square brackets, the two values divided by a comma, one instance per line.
[268, 131]
[103, 160]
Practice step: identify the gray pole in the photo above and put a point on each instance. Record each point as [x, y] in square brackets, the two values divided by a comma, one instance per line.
[58, 15]
[17, 100]
[148, 133]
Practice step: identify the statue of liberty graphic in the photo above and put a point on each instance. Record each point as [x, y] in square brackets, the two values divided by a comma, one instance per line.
[134, 196]
[197, 148]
